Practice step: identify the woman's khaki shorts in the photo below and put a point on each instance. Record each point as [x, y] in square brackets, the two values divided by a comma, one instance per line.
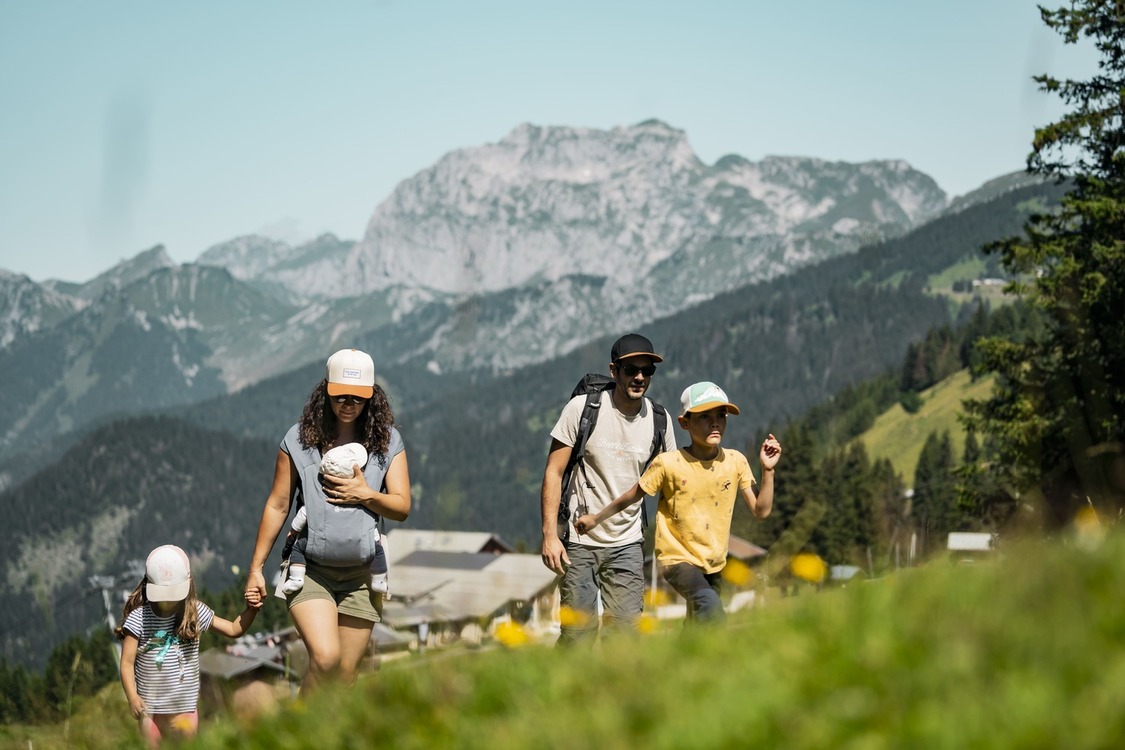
[348, 587]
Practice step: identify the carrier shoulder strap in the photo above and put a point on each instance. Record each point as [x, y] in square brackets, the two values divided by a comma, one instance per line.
[659, 426]
[302, 457]
[586, 422]
[586, 425]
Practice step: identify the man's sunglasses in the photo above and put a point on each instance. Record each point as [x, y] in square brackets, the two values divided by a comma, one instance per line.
[631, 370]
[341, 400]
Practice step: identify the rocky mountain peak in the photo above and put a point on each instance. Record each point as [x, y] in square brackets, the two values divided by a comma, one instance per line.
[246, 257]
[547, 201]
[126, 272]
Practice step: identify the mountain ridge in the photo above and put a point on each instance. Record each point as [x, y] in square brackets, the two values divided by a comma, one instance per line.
[495, 257]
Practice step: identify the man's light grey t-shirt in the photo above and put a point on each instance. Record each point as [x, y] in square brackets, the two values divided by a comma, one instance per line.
[615, 459]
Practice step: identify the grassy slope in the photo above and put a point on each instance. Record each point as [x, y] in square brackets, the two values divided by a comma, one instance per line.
[1024, 651]
[899, 436]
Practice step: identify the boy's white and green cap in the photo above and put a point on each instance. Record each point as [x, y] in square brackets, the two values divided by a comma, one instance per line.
[705, 396]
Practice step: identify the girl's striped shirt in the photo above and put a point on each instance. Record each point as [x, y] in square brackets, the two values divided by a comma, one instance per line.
[167, 671]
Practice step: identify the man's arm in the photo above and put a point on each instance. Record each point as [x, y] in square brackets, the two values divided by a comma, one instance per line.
[554, 553]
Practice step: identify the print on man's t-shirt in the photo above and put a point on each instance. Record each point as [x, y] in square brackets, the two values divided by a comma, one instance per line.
[621, 451]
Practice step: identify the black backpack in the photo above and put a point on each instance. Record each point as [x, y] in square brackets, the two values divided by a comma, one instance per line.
[592, 386]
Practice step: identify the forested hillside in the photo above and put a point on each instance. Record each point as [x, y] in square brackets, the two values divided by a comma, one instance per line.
[112, 498]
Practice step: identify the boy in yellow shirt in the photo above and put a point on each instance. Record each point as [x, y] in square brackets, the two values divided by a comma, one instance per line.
[697, 486]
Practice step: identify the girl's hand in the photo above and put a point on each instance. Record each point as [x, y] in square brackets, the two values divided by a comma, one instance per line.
[584, 523]
[255, 586]
[137, 707]
[253, 598]
[351, 490]
[770, 453]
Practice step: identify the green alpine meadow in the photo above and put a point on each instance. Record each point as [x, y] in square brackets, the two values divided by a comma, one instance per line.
[1023, 649]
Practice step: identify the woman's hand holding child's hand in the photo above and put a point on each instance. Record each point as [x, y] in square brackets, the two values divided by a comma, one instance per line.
[253, 598]
[585, 523]
[770, 453]
[137, 707]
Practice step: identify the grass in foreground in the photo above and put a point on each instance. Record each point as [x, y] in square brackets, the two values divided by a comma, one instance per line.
[1027, 651]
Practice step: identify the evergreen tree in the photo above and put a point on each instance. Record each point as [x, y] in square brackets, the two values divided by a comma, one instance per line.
[1057, 415]
[890, 508]
[832, 537]
[78, 667]
[799, 499]
[20, 695]
[971, 453]
[976, 327]
[862, 483]
[935, 503]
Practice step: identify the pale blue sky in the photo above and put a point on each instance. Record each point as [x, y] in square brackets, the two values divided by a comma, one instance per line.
[128, 124]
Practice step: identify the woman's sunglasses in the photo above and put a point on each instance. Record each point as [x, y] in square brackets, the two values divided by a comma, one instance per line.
[341, 400]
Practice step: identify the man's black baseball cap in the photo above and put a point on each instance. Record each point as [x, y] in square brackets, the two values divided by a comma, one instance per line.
[633, 345]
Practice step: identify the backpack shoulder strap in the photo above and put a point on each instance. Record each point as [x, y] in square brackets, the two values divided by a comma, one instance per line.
[576, 461]
[586, 424]
[659, 428]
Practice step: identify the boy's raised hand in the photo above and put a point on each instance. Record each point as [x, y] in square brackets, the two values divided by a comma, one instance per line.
[584, 523]
[770, 453]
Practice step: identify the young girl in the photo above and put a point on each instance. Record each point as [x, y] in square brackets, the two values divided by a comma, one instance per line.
[160, 630]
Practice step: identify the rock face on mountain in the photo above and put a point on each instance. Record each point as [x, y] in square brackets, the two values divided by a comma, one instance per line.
[495, 257]
[125, 273]
[544, 203]
[27, 307]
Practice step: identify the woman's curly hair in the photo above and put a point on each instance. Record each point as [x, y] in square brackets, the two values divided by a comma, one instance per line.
[318, 426]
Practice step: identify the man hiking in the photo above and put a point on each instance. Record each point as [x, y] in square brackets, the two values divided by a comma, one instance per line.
[624, 438]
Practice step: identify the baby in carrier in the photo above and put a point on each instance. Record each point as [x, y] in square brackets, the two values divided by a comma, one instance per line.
[338, 462]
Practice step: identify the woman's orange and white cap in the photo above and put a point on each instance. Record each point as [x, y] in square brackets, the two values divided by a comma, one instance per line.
[351, 373]
[168, 574]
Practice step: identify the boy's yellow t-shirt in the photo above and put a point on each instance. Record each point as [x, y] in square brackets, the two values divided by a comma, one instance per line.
[696, 504]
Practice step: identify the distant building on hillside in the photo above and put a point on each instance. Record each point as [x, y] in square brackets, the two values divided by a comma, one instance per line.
[447, 541]
[968, 547]
[457, 585]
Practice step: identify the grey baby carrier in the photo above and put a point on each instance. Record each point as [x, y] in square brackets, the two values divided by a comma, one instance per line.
[338, 535]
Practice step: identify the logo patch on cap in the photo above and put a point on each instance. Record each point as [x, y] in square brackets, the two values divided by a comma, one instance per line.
[351, 373]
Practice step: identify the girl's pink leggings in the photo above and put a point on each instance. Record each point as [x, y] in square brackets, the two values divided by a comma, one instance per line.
[155, 728]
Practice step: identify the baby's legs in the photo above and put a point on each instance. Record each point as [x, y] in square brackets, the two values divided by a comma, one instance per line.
[378, 568]
[155, 727]
[296, 578]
